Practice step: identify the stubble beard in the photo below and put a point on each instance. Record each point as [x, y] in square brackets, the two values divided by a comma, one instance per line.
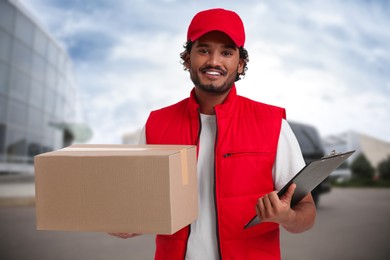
[213, 88]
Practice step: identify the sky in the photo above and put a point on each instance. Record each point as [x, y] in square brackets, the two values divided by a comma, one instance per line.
[326, 62]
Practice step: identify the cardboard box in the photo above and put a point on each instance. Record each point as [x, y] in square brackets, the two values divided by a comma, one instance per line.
[117, 188]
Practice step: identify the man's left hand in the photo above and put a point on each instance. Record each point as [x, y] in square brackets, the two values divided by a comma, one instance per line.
[271, 208]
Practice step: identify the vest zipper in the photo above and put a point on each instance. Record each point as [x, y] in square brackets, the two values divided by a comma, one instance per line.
[226, 155]
[197, 151]
[200, 129]
[215, 187]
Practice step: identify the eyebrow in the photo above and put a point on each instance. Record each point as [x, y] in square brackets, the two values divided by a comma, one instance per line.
[227, 46]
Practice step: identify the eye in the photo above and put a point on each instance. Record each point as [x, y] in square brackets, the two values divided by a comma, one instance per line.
[227, 53]
[203, 51]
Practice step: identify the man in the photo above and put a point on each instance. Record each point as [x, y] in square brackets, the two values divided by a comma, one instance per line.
[246, 151]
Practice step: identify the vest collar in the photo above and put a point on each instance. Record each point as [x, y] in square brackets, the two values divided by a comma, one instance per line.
[222, 110]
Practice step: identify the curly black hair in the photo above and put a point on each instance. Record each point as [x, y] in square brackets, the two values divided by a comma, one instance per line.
[242, 51]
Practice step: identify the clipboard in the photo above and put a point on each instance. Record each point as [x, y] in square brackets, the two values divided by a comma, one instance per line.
[309, 177]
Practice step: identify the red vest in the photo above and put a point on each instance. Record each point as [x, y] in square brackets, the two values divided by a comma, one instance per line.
[245, 150]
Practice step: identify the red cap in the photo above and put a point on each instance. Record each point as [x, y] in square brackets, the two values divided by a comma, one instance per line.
[218, 19]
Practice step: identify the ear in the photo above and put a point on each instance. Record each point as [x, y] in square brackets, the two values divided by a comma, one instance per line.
[187, 61]
[241, 65]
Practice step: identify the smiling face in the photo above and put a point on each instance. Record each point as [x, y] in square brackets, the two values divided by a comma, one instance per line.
[214, 63]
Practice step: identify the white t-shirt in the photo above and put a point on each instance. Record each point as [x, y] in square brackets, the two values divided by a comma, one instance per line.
[202, 243]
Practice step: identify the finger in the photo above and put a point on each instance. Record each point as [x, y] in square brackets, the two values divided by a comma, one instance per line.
[268, 208]
[123, 235]
[289, 193]
[260, 207]
[267, 203]
[115, 234]
[129, 235]
[273, 198]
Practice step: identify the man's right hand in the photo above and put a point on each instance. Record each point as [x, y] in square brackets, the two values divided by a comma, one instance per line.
[123, 235]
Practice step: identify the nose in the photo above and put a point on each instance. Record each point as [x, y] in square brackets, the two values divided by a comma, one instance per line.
[214, 59]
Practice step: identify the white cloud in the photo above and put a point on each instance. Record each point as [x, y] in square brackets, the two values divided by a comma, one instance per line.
[326, 62]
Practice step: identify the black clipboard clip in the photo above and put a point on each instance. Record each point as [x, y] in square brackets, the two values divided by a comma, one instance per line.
[331, 154]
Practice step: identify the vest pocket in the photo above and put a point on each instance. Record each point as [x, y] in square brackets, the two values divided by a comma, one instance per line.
[245, 172]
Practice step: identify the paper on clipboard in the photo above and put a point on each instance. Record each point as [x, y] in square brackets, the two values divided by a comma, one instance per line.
[309, 177]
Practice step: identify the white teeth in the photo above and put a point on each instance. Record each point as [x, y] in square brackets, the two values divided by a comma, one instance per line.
[213, 73]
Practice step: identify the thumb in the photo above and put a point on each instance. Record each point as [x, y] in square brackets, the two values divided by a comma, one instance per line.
[289, 193]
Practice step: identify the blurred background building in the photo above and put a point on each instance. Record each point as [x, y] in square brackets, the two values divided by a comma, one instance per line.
[39, 109]
[374, 149]
[132, 137]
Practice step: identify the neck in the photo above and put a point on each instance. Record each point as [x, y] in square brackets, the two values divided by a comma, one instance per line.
[207, 101]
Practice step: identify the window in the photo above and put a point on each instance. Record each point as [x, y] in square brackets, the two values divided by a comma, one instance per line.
[48, 135]
[19, 85]
[60, 108]
[17, 113]
[38, 69]
[34, 145]
[61, 85]
[40, 42]
[4, 72]
[5, 45]
[21, 56]
[3, 109]
[15, 146]
[53, 54]
[61, 63]
[7, 13]
[49, 101]
[2, 141]
[51, 77]
[36, 94]
[24, 29]
[35, 120]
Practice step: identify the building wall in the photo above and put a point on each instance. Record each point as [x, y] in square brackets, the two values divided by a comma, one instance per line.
[36, 89]
[374, 149]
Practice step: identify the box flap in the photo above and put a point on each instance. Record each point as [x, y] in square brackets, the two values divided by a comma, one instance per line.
[118, 150]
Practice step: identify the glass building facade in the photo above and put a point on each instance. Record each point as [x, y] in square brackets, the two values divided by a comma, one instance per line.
[37, 91]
